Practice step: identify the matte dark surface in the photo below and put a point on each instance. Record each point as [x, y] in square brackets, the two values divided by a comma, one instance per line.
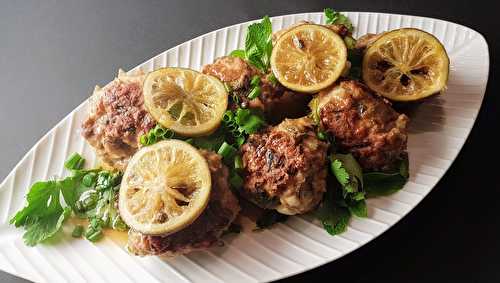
[52, 53]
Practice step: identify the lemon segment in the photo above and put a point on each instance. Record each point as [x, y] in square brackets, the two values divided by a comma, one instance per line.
[165, 187]
[308, 58]
[406, 64]
[188, 102]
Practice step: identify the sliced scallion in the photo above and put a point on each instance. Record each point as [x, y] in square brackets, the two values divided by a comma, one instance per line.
[254, 93]
[226, 150]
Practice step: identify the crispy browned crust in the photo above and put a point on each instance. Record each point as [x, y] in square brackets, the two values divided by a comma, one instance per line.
[116, 120]
[285, 167]
[275, 101]
[363, 124]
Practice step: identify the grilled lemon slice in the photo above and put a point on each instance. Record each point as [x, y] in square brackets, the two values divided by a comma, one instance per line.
[308, 58]
[165, 187]
[188, 102]
[406, 64]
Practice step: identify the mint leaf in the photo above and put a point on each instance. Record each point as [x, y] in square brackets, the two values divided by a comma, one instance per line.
[358, 208]
[382, 184]
[240, 53]
[333, 215]
[334, 17]
[258, 44]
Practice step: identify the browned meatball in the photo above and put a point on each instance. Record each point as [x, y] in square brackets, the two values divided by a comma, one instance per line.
[116, 120]
[366, 40]
[363, 124]
[285, 167]
[206, 230]
[275, 101]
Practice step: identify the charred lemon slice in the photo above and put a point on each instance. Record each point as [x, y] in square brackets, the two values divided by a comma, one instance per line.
[165, 187]
[308, 58]
[406, 64]
[188, 102]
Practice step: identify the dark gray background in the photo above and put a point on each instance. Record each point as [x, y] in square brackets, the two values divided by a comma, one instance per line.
[52, 53]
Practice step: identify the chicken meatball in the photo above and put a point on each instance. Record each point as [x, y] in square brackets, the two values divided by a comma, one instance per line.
[206, 230]
[363, 124]
[275, 101]
[285, 167]
[117, 119]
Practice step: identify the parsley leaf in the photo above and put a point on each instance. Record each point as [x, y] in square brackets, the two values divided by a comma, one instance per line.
[334, 17]
[43, 215]
[358, 208]
[89, 193]
[258, 45]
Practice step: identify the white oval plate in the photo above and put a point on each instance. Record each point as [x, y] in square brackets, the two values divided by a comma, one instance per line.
[438, 130]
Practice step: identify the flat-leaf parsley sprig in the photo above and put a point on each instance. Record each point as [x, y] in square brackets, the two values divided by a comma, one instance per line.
[50, 203]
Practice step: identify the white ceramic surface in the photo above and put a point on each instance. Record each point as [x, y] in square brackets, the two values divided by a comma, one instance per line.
[438, 130]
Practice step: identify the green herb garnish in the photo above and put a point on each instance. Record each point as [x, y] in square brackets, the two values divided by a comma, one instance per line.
[382, 184]
[333, 215]
[334, 17]
[77, 231]
[155, 135]
[83, 191]
[258, 45]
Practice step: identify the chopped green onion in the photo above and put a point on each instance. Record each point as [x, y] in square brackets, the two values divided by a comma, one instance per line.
[350, 42]
[144, 139]
[228, 116]
[255, 81]
[226, 150]
[254, 93]
[118, 224]
[93, 235]
[103, 181]
[115, 179]
[190, 141]
[235, 180]
[77, 231]
[322, 136]
[228, 88]
[272, 79]
[237, 133]
[236, 98]
[168, 134]
[87, 200]
[89, 179]
[241, 115]
[240, 141]
[253, 123]
[74, 162]
[238, 162]
[159, 131]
